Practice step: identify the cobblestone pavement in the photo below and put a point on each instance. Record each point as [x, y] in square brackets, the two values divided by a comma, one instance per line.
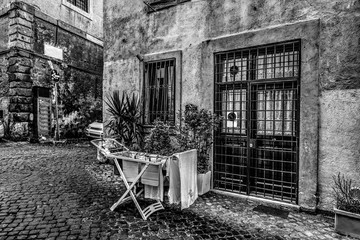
[61, 192]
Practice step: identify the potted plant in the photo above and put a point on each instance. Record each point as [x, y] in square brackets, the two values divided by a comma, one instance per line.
[347, 209]
[125, 119]
[159, 141]
[125, 124]
[196, 131]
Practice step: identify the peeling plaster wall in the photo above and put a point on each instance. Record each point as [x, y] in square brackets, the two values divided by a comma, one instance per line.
[91, 23]
[129, 30]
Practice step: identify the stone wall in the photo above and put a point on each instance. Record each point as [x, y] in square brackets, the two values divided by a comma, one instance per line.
[189, 27]
[4, 85]
[24, 65]
[4, 79]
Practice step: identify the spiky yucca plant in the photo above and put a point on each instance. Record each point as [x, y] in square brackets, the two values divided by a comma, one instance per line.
[125, 120]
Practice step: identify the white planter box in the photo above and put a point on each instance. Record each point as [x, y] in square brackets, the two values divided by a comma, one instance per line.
[203, 182]
[347, 223]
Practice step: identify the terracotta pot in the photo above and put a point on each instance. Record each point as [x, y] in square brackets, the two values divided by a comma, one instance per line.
[203, 182]
[347, 223]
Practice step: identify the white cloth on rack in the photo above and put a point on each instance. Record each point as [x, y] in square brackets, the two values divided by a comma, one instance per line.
[183, 178]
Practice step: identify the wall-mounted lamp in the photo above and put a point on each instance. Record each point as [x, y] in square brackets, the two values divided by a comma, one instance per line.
[141, 58]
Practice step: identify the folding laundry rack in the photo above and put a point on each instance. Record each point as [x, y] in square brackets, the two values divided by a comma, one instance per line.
[121, 156]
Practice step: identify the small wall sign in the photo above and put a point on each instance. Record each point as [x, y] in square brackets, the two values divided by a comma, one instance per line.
[53, 52]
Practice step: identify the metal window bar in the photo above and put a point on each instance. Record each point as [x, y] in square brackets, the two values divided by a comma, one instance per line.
[268, 76]
[159, 91]
[82, 4]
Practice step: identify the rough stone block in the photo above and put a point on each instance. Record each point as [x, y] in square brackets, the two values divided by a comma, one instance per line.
[18, 53]
[22, 14]
[25, 15]
[21, 61]
[19, 77]
[21, 44]
[20, 37]
[20, 92]
[20, 84]
[19, 69]
[21, 29]
[18, 99]
[20, 107]
[20, 21]
[23, 6]
[20, 117]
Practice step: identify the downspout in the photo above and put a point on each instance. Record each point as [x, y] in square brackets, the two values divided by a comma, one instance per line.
[317, 193]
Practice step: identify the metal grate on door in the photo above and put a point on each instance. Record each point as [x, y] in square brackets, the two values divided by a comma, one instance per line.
[256, 149]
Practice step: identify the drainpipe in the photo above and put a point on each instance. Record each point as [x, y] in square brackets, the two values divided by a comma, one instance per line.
[317, 193]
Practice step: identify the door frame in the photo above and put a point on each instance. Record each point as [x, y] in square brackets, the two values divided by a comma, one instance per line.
[227, 82]
[308, 31]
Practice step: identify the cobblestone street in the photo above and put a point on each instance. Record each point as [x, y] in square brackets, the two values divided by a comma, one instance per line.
[62, 192]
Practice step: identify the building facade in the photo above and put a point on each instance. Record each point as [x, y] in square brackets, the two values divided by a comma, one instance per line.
[43, 42]
[283, 74]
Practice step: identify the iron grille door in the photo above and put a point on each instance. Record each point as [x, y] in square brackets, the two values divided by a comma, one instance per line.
[256, 148]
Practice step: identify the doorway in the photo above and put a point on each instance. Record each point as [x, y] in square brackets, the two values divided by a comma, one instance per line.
[256, 147]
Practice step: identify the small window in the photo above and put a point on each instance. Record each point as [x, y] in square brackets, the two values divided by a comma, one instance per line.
[161, 86]
[159, 91]
[156, 5]
[82, 4]
[1, 114]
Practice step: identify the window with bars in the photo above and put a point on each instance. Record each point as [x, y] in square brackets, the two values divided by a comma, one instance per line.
[267, 63]
[156, 5]
[159, 91]
[82, 4]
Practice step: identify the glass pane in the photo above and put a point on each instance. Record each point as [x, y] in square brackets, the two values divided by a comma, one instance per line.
[234, 111]
[275, 112]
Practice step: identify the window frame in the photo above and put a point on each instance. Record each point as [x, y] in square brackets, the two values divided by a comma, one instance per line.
[157, 5]
[164, 56]
[79, 10]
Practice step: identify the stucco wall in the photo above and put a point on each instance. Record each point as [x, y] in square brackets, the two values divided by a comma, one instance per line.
[5, 3]
[58, 9]
[129, 30]
[340, 140]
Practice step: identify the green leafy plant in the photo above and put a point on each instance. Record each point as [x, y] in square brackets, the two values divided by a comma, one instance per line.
[18, 132]
[125, 118]
[196, 131]
[346, 195]
[88, 112]
[159, 139]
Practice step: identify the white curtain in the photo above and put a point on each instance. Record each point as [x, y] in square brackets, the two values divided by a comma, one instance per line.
[275, 112]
